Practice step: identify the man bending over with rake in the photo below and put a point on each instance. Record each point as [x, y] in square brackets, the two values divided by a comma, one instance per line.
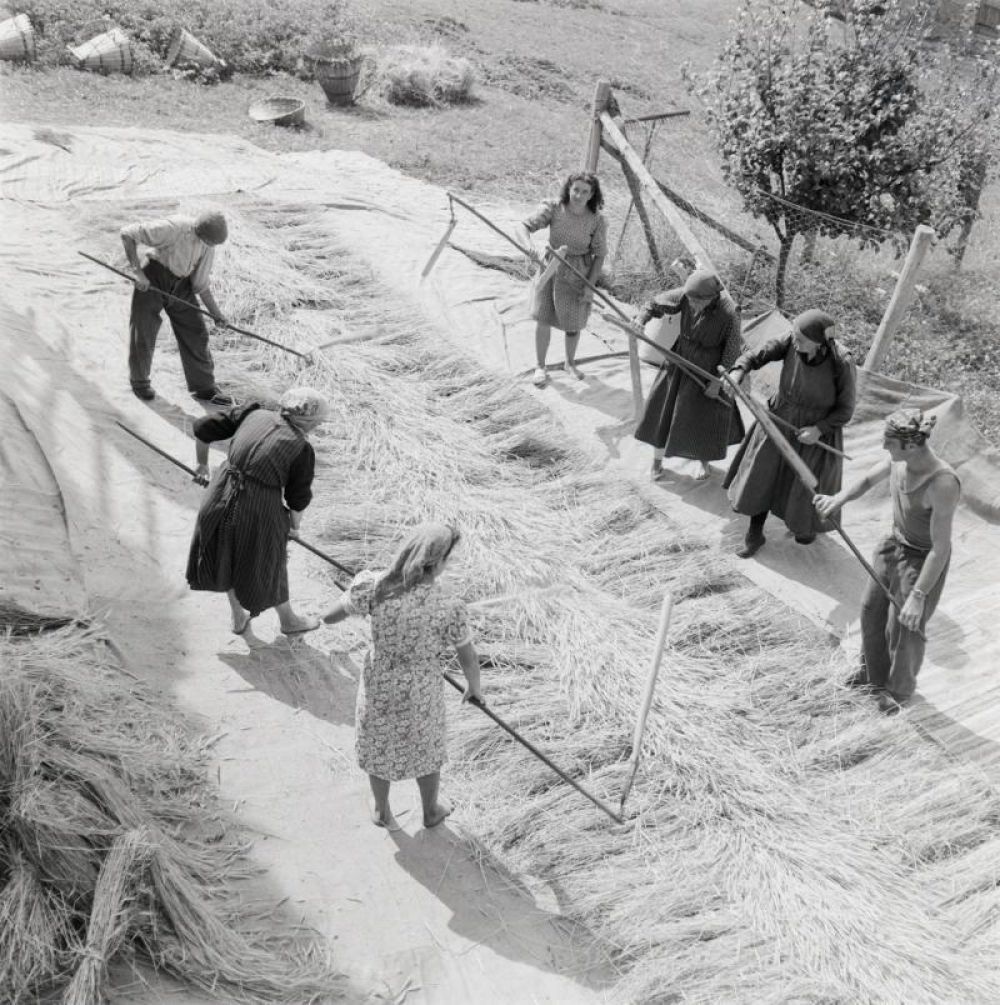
[179, 264]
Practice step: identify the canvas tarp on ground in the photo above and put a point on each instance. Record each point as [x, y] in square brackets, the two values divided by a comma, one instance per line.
[57, 187]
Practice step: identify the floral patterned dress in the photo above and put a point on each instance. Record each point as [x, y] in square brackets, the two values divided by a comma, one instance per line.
[400, 714]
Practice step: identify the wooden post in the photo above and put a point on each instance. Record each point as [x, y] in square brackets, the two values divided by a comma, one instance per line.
[902, 295]
[636, 375]
[602, 96]
[647, 226]
[659, 200]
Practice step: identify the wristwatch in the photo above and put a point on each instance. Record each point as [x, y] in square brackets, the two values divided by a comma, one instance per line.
[919, 594]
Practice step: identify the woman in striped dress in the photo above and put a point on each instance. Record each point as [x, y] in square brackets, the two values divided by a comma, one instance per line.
[579, 231]
[254, 504]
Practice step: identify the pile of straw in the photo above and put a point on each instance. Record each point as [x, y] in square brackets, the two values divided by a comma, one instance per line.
[423, 75]
[111, 847]
[786, 842]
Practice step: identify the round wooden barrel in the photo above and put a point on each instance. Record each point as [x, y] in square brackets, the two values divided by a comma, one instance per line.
[338, 78]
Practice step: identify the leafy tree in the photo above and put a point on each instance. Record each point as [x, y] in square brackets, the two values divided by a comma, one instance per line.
[859, 118]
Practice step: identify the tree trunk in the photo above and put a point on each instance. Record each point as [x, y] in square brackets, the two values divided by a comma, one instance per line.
[784, 254]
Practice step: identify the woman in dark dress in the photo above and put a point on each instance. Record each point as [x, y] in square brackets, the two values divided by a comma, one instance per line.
[816, 393]
[254, 504]
[683, 418]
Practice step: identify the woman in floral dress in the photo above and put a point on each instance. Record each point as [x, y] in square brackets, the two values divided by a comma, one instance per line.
[579, 230]
[400, 716]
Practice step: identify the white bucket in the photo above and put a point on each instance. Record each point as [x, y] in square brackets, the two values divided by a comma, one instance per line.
[17, 39]
[109, 52]
[664, 332]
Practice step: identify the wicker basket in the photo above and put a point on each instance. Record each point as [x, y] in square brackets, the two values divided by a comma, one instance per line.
[109, 52]
[279, 111]
[337, 69]
[17, 39]
[187, 51]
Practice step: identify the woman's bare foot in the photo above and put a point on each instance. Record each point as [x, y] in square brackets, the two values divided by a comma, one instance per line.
[298, 625]
[702, 472]
[240, 622]
[384, 818]
[440, 811]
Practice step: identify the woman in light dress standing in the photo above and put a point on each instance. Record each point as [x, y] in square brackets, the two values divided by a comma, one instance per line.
[400, 715]
[579, 231]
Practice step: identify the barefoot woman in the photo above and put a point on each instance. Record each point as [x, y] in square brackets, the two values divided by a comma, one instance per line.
[400, 709]
[254, 504]
[578, 228]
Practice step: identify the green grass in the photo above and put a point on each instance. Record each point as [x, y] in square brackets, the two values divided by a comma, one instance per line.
[537, 62]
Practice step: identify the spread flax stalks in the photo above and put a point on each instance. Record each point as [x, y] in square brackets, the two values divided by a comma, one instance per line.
[786, 843]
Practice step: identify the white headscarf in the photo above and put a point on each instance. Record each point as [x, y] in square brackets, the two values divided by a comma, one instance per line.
[304, 403]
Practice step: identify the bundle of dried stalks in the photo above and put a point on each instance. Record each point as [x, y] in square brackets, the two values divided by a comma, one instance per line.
[112, 843]
[110, 915]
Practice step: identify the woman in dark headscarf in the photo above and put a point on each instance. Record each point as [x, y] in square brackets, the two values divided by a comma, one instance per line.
[816, 393]
[682, 417]
[400, 708]
[254, 504]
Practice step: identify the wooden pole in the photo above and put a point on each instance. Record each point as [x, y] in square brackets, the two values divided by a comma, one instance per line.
[659, 200]
[528, 745]
[802, 471]
[902, 295]
[208, 314]
[432, 261]
[647, 226]
[602, 97]
[184, 467]
[654, 668]
[635, 373]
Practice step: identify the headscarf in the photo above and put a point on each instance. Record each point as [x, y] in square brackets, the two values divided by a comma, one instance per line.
[304, 403]
[813, 325]
[211, 227]
[426, 547]
[703, 283]
[909, 425]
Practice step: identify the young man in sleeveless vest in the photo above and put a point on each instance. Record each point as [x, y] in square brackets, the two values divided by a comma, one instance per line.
[912, 561]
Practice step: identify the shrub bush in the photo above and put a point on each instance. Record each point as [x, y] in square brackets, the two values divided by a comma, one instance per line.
[252, 36]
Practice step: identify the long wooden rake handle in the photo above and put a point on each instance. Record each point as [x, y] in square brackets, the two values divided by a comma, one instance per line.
[533, 749]
[803, 473]
[184, 467]
[208, 314]
[622, 320]
[666, 610]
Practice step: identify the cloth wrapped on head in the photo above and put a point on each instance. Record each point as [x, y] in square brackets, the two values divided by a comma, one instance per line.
[813, 324]
[703, 284]
[909, 425]
[428, 545]
[211, 227]
[304, 403]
